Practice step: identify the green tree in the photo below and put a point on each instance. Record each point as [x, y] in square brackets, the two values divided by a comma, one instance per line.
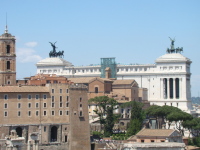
[193, 126]
[137, 116]
[104, 110]
[179, 117]
[161, 113]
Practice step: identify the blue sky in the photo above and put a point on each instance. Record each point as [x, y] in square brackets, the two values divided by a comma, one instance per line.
[133, 31]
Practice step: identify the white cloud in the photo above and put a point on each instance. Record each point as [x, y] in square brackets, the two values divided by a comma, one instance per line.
[27, 55]
[31, 44]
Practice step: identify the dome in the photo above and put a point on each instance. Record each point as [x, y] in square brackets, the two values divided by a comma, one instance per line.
[173, 57]
[54, 61]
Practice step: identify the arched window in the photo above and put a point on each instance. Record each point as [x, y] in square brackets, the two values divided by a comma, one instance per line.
[8, 64]
[96, 90]
[8, 49]
[19, 131]
[54, 132]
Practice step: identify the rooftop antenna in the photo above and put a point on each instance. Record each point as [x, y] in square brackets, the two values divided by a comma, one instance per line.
[6, 30]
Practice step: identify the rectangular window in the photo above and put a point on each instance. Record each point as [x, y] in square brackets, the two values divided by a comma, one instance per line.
[19, 105]
[67, 90]
[52, 113]
[45, 128]
[19, 113]
[29, 105]
[44, 96]
[152, 141]
[80, 113]
[37, 113]
[67, 112]
[45, 113]
[5, 96]
[80, 105]
[67, 104]
[60, 90]
[36, 105]
[65, 138]
[60, 112]
[142, 141]
[29, 113]
[19, 97]
[5, 113]
[52, 90]
[52, 105]
[29, 96]
[67, 98]
[52, 98]
[60, 101]
[36, 96]
[8, 49]
[5, 105]
[45, 105]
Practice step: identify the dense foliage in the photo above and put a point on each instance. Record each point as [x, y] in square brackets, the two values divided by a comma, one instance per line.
[137, 117]
[104, 110]
[169, 114]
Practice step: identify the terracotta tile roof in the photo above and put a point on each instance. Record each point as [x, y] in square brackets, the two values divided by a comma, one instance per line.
[87, 79]
[123, 82]
[81, 80]
[101, 79]
[155, 132]
[4, 89]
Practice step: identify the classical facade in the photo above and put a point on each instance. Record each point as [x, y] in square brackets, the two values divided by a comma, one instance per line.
[167, 81]
[7, 59]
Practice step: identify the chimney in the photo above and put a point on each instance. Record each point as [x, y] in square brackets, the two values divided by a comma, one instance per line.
[107, 73]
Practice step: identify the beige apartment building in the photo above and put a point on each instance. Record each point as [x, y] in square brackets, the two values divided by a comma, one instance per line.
[49, 113]
[56, 113]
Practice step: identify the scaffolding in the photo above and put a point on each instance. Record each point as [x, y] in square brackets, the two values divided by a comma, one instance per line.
[108, 62]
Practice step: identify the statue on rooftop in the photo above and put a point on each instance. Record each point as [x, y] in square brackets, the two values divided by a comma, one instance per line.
[172, 49]
[54, 46]
[53, 53]
[172, 42]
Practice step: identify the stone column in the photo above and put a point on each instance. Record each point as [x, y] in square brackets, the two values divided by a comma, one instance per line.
[33, 145]
[36, 145]
[28, 146]
[174, 88]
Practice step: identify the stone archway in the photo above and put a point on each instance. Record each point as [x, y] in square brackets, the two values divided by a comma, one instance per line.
[19, 131]
[54, 133]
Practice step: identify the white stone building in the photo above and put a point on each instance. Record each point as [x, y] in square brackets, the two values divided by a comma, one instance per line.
[167, 81]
